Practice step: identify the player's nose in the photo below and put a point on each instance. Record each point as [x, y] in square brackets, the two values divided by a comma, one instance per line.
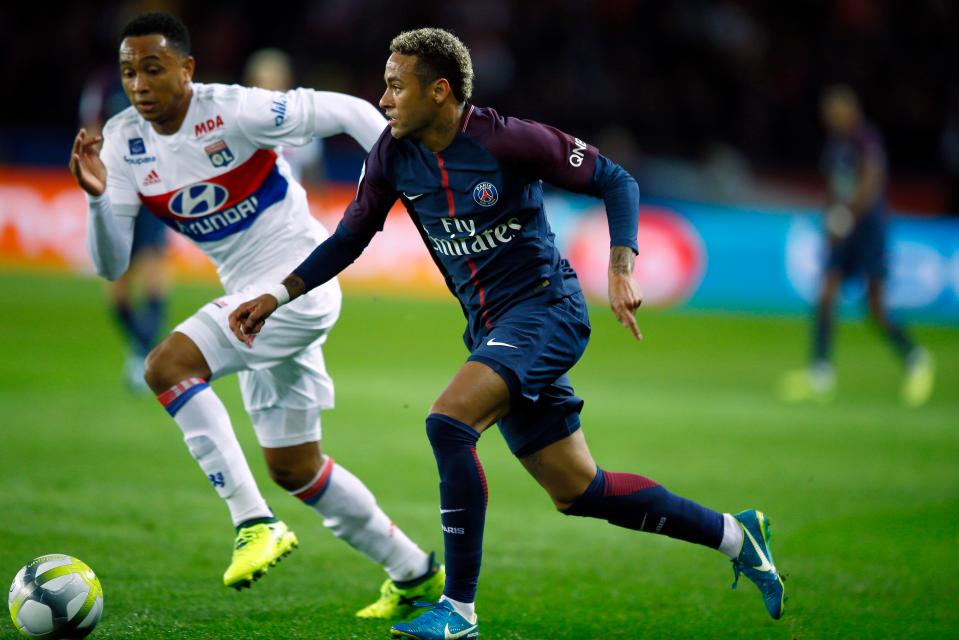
[139, 83]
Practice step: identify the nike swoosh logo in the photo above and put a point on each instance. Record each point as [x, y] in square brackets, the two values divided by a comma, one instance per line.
[451, 510]
[765, 565]
[459, 634]
[413, 196]
[493, 343]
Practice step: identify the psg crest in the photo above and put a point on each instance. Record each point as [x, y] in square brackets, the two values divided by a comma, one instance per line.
[485, 194]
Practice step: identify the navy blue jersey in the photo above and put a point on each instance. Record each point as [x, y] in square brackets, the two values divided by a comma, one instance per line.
[842, 162]
[478, 205]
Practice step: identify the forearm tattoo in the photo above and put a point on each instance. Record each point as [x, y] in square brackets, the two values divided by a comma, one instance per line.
[621, 260]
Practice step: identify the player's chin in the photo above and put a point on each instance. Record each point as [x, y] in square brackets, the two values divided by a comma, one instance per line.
[148, 114]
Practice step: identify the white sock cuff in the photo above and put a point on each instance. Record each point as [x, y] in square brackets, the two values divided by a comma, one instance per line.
[732, 542]
[313, 490]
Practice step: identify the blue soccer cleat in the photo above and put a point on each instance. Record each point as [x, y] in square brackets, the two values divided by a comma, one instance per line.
[440, 622]
[755, 561]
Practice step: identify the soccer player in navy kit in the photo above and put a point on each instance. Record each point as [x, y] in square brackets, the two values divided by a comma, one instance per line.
[471, 181]
[855, 164]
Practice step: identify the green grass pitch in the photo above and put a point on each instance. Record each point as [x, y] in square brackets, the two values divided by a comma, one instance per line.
[863, 495]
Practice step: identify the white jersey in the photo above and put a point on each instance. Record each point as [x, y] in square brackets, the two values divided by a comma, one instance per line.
[220, 181]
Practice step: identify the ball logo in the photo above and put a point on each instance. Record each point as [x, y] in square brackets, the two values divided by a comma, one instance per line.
[199, 199]
[485, 194]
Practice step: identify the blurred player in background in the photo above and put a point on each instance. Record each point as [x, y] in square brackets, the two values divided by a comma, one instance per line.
[855, 164]
[272, 70]
[139, 296]
[201, 158]
[471, 181]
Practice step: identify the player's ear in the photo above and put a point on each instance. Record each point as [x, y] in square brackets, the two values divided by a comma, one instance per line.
[441, 89]
[188, 67]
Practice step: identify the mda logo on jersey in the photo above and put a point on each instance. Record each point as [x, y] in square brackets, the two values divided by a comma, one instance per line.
[220, 154]
[199, 199]
[485, 194]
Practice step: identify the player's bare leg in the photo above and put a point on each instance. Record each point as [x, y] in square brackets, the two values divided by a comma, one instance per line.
[476, 396]
[564, 469]
[920, 370]
[178, 373]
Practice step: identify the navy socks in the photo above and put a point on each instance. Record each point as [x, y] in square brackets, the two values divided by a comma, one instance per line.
[463, 497]
[142, 325]
[638, 503]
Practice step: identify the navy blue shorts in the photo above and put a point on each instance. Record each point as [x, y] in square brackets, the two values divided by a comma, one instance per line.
[531, 347]
[862, 252]
[148, 233]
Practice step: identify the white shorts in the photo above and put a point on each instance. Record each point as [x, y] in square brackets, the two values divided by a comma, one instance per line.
[283, 377]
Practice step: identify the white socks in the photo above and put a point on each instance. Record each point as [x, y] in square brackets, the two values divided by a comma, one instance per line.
[465, 609]
[209, 436]
[350, 511]
[732, 542]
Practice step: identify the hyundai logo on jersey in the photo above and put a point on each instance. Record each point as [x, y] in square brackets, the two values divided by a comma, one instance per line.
[198, 199]
[220, 154]
[485, 194]
[136, 146]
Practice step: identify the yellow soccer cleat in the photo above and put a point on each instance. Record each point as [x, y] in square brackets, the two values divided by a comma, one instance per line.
[919, 380]
[814, 384]
[257, 548]
[396, 600]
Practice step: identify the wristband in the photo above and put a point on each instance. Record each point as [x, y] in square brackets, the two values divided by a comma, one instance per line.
[281, 293]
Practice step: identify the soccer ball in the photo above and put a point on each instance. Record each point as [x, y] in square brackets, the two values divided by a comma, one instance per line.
[55, 596]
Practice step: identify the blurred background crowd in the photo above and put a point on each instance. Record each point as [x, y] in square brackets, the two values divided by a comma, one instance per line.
[712, 100]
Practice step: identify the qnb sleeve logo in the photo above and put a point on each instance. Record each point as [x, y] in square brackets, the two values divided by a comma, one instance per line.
[198, 199]
[485, 194]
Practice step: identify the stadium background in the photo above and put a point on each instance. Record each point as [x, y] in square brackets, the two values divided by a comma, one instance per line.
[713, 106]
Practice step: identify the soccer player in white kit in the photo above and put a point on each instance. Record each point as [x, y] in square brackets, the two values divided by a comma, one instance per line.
[202, 158]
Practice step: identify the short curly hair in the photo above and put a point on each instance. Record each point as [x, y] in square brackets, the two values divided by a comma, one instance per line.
[439, 54]
[161, 24]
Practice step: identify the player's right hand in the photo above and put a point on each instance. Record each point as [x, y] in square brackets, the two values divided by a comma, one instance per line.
[85, 163]
[247, 320]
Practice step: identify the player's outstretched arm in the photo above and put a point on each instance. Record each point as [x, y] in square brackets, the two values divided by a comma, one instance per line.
[624, 294]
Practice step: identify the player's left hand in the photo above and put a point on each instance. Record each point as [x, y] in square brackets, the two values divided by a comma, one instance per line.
[247, 320]
[625, 297]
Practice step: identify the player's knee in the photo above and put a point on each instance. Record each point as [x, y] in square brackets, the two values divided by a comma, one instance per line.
[169, 363]
[157, 370]
[452, 407]
[292, 474]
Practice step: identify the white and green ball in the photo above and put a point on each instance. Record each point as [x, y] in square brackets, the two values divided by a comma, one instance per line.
[55, 596]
